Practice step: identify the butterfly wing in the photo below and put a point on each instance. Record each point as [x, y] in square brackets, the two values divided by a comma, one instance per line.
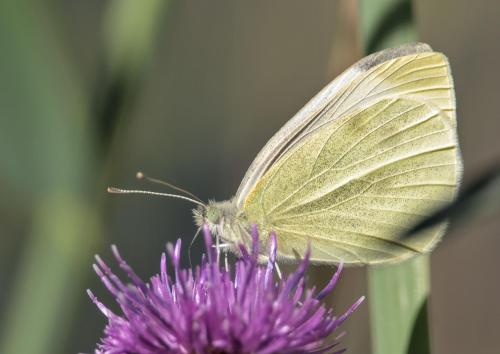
[380, 156]
[383, 74]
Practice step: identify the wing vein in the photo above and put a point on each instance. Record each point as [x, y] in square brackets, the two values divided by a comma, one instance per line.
[411, 82]
[422, 68]
[425, 184]
[410, 171]
[405, 198]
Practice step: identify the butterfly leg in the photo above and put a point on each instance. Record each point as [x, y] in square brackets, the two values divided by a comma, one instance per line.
[217, 245]
[226, 262]
[278, 271]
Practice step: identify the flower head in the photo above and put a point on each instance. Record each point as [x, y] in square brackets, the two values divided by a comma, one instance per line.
[210, 310]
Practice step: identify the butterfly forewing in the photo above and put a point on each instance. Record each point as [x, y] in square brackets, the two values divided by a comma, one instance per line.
[411, 70]
[422, 76]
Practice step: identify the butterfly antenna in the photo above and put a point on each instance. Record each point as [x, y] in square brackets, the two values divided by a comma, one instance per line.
[141, 175]
[134, 191]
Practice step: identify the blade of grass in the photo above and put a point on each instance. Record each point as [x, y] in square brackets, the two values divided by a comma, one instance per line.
[45, 112]
[398, 297]
[45, 121]
[398, 293]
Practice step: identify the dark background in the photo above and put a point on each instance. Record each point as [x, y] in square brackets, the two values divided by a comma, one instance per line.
[189, 91]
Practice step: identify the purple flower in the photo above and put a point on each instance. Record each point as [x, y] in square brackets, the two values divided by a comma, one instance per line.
[210, 310]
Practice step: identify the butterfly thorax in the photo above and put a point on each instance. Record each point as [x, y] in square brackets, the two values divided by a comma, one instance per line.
[224, 222]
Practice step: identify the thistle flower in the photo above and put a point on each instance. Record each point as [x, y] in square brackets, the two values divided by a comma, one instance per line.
[210, 310]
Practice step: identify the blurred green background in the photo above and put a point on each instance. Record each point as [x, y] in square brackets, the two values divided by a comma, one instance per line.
[189, 91]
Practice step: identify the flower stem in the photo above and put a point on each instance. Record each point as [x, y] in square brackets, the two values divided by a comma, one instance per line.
[398, 293]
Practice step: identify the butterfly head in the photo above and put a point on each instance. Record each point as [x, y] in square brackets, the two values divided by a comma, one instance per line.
[220, 217]
[211, 214]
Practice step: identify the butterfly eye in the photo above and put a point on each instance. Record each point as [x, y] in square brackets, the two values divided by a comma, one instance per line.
[213, 215]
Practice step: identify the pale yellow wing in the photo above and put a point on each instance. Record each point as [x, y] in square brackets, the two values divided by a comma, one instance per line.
[353, 184]
[411, 70]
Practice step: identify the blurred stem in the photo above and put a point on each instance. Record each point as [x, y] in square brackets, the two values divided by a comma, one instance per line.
[129, 32]
[48, 119]
[386, 23]
[65, 157]
[130, 28]
[398, 293]
[51, 274]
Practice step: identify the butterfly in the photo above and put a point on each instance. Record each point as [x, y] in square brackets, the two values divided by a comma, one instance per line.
[371, 155]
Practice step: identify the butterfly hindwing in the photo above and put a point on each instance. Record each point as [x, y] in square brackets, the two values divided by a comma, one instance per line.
[355, 184]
